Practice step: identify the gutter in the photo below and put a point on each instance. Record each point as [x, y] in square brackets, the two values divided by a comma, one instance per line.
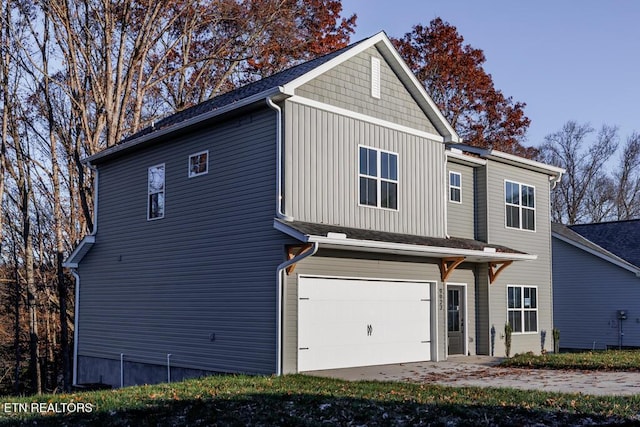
[74, 272]
[279, 198]
[279, 279]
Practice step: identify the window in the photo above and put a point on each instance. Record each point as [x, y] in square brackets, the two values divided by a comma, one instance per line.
[520, 206]
[378, 178]
[155, 186]
[522, 310]
[198, 164]
[375, 77]
[455, 187]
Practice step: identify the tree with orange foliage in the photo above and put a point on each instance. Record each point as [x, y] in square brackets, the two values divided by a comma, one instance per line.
[452, 74]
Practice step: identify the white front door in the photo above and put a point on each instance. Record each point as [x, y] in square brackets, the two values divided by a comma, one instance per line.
[355, 322]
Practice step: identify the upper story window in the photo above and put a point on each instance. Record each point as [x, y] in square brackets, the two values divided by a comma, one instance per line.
[455, 187]
[378, 178]
[520, 206]
[375, 77]
[522, 308]
[155, 191]
[198, 164]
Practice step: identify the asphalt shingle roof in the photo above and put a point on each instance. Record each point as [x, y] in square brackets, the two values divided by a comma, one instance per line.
[315, 229]
[273, 81]
[621, 238]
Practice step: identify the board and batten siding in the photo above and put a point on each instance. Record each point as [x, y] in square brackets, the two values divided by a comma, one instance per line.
[322, 183]
[348, 85]
[199, 283]
[460, 216]
[376, 266]
[526, 273]
[587, 293]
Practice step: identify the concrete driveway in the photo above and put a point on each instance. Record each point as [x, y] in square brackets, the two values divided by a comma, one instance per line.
[481, 371]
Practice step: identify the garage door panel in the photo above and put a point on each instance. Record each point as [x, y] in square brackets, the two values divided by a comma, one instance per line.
[343, 322]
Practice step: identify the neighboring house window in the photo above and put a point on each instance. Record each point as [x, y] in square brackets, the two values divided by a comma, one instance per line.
[198, 164]
[375, 77]
[455, 187]
[155, 185]
[378, 178]
[520, 206]
[522, 308]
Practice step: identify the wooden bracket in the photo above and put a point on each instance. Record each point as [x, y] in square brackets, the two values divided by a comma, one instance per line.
[293, 251]
[493, 275]
[447, 265]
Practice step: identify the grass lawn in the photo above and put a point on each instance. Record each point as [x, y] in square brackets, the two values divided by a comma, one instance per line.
[304, 400]
[611, 360]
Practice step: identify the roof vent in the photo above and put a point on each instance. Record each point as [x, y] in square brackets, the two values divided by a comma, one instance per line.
[333, 235]
[492, 250]
[456, 150]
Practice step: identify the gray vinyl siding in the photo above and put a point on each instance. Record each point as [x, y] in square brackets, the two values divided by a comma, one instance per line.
[149, 288]
[375, 266]
[526, 273]
[460, 216]
[322, 183]
[588, 292]
[483, 316]
[348, 86]
[480, 189]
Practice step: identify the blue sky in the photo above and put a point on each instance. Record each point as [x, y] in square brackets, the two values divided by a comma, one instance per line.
[567, 60]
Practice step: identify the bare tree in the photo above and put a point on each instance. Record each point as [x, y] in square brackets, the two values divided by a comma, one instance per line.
[627, 180]
[584, 164]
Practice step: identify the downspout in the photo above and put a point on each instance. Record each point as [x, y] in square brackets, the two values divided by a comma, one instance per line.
[279, 198]
[74, 272]
[279, 274]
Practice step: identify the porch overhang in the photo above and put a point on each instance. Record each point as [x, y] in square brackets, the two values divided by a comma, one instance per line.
[79, 252]
[450, 251]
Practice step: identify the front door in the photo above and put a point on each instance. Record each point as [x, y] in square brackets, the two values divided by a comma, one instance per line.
[455, 319]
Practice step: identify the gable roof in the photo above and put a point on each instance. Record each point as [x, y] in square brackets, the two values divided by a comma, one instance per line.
[619, 237]
[568, 235]
[285, 83]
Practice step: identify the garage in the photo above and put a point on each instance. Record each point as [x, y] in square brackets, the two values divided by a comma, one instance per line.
[345, 322]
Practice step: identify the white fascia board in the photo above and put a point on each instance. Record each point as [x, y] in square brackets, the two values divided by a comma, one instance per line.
[79, 252]
[470, 160]
[290, 231]
[184, 124]
[513, 160]
[381, 37]
[363, 117]
[409, 249]
[611, 258]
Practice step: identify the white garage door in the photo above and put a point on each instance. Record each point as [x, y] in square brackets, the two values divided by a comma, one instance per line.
[346, 322]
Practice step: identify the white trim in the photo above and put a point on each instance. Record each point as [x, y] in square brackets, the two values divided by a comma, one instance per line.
[191, 174]
[370, 279]
[164, 192]
[71, 262]
[522, 308]
[76, 319]
[465, 349]
[363, 117]
[455, 187]
[554, 171]
[375, 77]
[611, 258]
[387, 48]
[520, 206]
[462, 158]
[379, 178]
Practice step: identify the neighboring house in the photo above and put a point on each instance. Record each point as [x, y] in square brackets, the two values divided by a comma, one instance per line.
[323, 217]
[596, 277]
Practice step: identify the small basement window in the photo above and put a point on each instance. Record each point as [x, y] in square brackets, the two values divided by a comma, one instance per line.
[198, 164]
[155, 191]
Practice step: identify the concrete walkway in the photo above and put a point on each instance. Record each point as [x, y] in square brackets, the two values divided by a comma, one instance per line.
[481, 371]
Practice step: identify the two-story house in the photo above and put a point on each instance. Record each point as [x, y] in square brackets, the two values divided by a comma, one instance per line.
[326, 216]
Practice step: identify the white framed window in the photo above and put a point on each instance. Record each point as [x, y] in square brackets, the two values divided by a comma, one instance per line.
[375, 77]
[522, 308]
[199, 164]
[378, 178]
[520, 206]
[155, 192]
[455, 187]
